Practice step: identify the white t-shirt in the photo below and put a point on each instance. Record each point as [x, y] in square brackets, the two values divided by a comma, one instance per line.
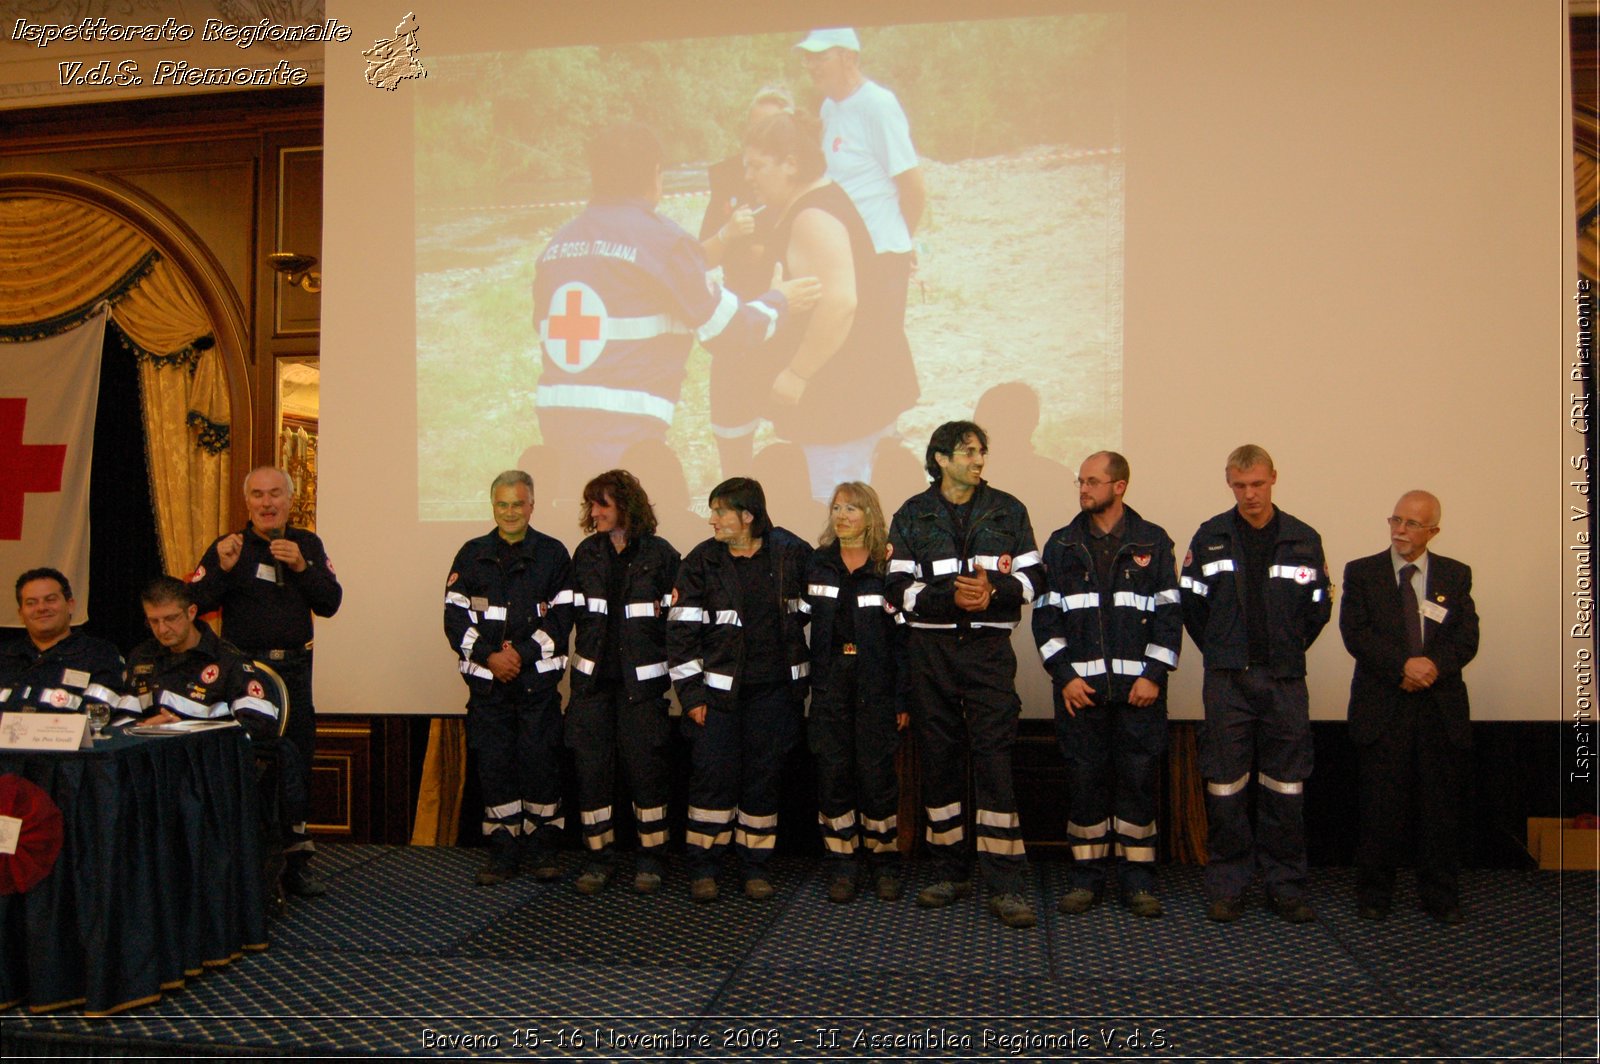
[867, 141]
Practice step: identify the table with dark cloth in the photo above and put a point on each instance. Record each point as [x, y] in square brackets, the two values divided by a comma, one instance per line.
[159, 875]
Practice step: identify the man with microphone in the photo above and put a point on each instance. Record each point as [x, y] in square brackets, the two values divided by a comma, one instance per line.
[268, 579]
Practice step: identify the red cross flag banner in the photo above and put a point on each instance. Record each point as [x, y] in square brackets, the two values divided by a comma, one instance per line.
[48, 390]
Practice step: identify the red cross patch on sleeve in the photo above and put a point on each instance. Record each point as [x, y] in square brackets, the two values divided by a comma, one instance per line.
[209, 674]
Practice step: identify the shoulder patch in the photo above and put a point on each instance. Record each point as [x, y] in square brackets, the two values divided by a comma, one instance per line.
[209, 674]
[1304, 575]
[1188, 559]
[453, 578]
[1141, 560]
[198, 574]
[674, 596]
[1005, 563]
[255, 689]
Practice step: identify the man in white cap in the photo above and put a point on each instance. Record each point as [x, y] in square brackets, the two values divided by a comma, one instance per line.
[867, 142]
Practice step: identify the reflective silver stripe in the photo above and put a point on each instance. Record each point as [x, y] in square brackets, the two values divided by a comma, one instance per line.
[1196, 586]
[500, 812]
[800, 671]
[929, 624]
[1007, 625]
[1222, 565]
[1052, 648]
[1088, 831]
[838, 845]
[640, 609]
[767, 312]
[727, 306]
[578, 599]
[143, 701]
[908, 601]
[666, 600]
[1291, 572]
[881, 827]
[991, 562]
[1090, 851]
[838, 823]
[643, 327]
[1026, 586]
[98, 692]
[188, 707]
[1010, 847]
[260, 705]
[945, 566]
[990, 819]
[758, 822]
[650, 672]
[705, 841]
[877, 845]
[472, 669]
[721, 681]
[550, 664]
[865, 601]
[686, 670]
[688, 614]
[1088, 601]
[1025, 559]
[1223, 790]
[616, 400]
[898, 566]
[1170, 597]
[597, 605]
[1133, 831]
[822, 590]
[1127, 667]
[652, 838]
[468, 641]
[566, 597]
[492, 826]
[944, 812]
[655, 812]
[1146, 603]
[1137, 853]
[1046, 600]
[710, 816]
[729, 617]
[133, 703]
[544, 812]
[456, 598]
[582, 664]
[1097, 667]
[754, 840]
[591, 817]
[5, 693]
[1282, 787]
[1316, 596]
[600, 841]
[794, 605]
[1161, 654]
[944, 838]
[495, 613]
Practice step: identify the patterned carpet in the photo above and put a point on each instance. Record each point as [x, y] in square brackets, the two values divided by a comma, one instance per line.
[405, 956]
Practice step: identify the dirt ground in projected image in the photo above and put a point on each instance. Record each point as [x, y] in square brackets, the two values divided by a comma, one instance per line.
[1020, 279]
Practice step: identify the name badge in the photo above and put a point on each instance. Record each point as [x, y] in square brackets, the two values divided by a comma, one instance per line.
[74, 678]
[1433, 611]
[266, 572]
[480, 603]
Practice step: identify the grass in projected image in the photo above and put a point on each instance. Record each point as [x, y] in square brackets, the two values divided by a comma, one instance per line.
[1017, 124]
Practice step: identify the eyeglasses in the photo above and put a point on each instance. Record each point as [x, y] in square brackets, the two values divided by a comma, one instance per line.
[1408, 524]
[969, 452]
[1093, 482]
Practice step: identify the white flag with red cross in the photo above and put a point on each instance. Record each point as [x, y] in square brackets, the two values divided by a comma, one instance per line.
[48, 390]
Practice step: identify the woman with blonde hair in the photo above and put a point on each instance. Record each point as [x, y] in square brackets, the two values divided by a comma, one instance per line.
[856, 713]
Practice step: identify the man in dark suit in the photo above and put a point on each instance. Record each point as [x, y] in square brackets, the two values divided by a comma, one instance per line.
[1409, 621]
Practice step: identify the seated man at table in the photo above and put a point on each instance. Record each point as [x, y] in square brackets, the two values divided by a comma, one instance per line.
[187, 672]
[50, 667]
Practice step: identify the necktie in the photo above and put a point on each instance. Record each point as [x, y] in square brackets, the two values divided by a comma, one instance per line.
[1410, 610]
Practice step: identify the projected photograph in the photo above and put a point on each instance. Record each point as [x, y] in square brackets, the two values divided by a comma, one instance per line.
[1009, 131]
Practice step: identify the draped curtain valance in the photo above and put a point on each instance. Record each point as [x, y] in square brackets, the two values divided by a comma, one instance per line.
[61, 258]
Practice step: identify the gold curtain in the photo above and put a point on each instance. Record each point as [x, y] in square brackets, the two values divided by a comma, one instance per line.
[61, 258]
[438, 818]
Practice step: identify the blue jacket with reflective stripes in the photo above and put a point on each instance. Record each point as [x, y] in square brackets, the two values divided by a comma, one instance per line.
[646, 597]
[518, 597]
[879, 627]
[619, 298]
[1299, 596]
[927, 558]
[705, 634]
[1110, 639]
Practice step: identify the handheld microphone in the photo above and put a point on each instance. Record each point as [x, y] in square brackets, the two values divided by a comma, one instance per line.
[277, 566]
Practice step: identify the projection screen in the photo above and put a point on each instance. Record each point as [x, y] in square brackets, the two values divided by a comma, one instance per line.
[1340, 233]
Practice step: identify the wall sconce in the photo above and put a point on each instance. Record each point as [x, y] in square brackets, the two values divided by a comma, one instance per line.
[297, 269]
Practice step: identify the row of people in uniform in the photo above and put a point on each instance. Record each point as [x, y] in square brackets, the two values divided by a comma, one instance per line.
[910, 622]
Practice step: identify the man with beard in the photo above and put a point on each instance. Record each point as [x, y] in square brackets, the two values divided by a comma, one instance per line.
[1109, 629]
